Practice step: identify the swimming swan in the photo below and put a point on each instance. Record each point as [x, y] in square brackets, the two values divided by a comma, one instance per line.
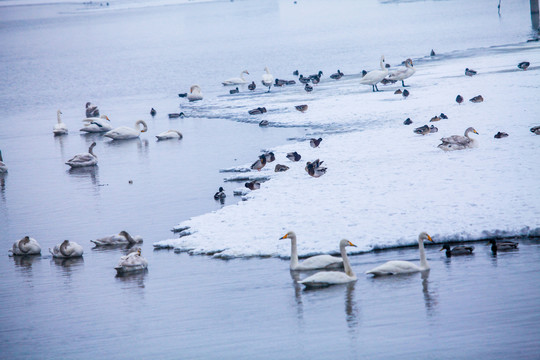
[403, 73]
[311, 263]
[236, 81]
[404, 267]
[122, 238]
[67, 249]
[327, 278]
[84, 159]
[60, 128]
[195, 93]
[457, 142]
[374, 76]
[131, 262]
[169, 134]
[96, 124]
[125, 132]
[25, 246]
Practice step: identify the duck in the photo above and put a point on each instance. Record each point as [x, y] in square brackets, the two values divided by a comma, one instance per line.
[122, 238]
[328, 278]
[363, 73]
[291, 82]
[295, 72]
[264, 123]
[91, 110]
[315, 142]
[500, 135]
[220, 194]
[457, 142]
[125, 132]
[422, 130]
[132, 262]
[308, 88]
[432, 53]
[169, 134]
[457, 250]
[234, 91]
[304, 80]
[477, 99]
[153, 112]
[60, 128]
[459, 99]
[314, 168]
[315, 80]
[253, 185]
[311, 263]
[374, 76]
[316, 76]
[395, 267]
[281, 168]
[398, 92]
[502, 245]
[534, 130]
[3, 166]
[404, 73]
[195, 93]
[435, 118]
[252, 86]
[407, 121]
[301, 108]
[443, 116]
[280, 82]
[470, 72]
[259, 110]
[336, 76]
[405, 93]
[433, 129]
[176, 115]
[267, 78]
[96, 124]
[386, 81]
[67, 249]
[259, 164]
[84, 159]
[269, 156]
[524, 65]
[236, 81]
[25, 246]
[294, 156]
[183, 95]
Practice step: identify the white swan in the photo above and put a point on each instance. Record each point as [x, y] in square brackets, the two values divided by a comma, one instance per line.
[236, 81]
[195, 93]
[84, 159]
[267, 78]
[96, 124]
[404, 267]
[60, 128]
[327, 278]
[374, 76]
[122, 238]
[169, 134]
[458, 142]
[67, 249]
[131, 262]
[125, 132]
[311, 263]
[26, 246]
[3, 166]
[403, 73]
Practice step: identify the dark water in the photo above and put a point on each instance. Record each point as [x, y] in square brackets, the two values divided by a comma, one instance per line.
[195, 307]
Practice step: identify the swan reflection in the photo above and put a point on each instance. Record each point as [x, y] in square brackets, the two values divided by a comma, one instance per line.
[91, 172]
[430, 297]
[133, 279]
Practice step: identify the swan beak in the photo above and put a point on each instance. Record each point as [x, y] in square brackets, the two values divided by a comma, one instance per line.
[476, 132]
[143, 130]
[284, 237]
[441, 249]
[351, 244]
[429, 238]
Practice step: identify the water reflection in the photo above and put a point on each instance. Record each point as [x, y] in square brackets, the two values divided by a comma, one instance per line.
[3, 185]
[430, 297]
[60, 141]
[351, 309]
[91, 172]
[295, 275]
[23, 264]
[69, 264]
[142, 146]
[135, 280]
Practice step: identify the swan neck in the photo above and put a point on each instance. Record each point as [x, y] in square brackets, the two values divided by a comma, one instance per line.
[141, 122]
[129, 238]
[58, 117]
[294, 252]
[63, 249]
[346, 263]
[423, 261]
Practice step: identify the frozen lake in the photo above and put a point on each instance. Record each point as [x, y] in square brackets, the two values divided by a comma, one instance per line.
[132, 56]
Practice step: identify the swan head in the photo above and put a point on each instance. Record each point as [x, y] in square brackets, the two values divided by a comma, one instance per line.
[424, 236]
[58, 112]
[471, 129]
[289, 235]
[105, 117]
[346, 242]
[25, 240]
[195, 88]
[245, 72]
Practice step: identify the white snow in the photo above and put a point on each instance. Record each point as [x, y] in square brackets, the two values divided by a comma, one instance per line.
[385, 184]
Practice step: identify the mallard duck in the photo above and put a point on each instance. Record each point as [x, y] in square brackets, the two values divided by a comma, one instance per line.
[398, 92]
[281, 168]
[122, 238]
[169, 134]
[182, 95]
[25, 246]
[195, 93]
[267, 78]
[295, 72]
[457, 250]
[443, 116]
[407, 121]
[524, 65]
[269, 156]
[313, 262]
[294, 156]
[67, 249]
[477, 99]
[3, 166]
[435, 118]
[336, 76]
[234, 91]
[315, 169]
[374, 76]
[308, 88]
[457, 142]
[459, 99]
[264, 123]
[315, 80]
[304, 80]
[301, 108]
[470, 72]
[84, 159]
[259, 110]
[176, 115]
[534, 130]
[387, 81]
[432, 53]
[153, 112]
[404, 73]
[131, 262]
[280, 83]
[59, 128]
[252, 86]
[259, 164]
[291, 82]
[422, 130]
[317, 75]
[433, 129]
[502, 245]
[91, 110]
[253, 185]
[405, 93]
[363, 73]
[500, 135]
[315, 142]
[220, 194]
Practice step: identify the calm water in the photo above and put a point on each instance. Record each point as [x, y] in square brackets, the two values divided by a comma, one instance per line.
[61, 56]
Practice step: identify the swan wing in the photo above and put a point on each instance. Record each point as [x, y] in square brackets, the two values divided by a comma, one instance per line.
[327, 278]
[320, 262]
[394, 267]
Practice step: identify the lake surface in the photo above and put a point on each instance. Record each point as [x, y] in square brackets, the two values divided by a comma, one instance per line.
[129, 60]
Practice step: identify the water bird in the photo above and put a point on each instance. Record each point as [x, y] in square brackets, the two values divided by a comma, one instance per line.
[182, 95]
[315, 80]
[220, 194]
[295, 72]
[459, 99]
[264, 123]
[477, 99]
[3, 166]
[315, 142]
[524, 65]
[122, 238]
[96, 124]
[301, 108]
[407, 121]
[291, 82]
[374, 76]
[253, 185]
[234, 91]
[403, 73]
[176, 115]
[294, 156]
[267, 78]
[386, 81]
[457, 142]
[457, 250]
[500, 135]
[132, 262]
[327, 278]
[395, 267]
[259, 164]
[405, 93]
[91, 110]
[67, 249]
[398, 92]
[259, 110]
[169, 134]
[318, 75]
[125, 132]
[433, 129]
[432, 53]
[502, 245]
[422, 130]
[364, 73]
[336, 76]
[25, 246]
[311, 263]
[153, 112]
[308, 88]
[315, 169]
[470, 72]
[280, 82]
[435, 118]
[534, 130]
[252, 86]
[270, 157]
[84, 159]
[304, 80]
[443, 116]
[281, 168]
[195, 93]
[236, 81]
[59, 128]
